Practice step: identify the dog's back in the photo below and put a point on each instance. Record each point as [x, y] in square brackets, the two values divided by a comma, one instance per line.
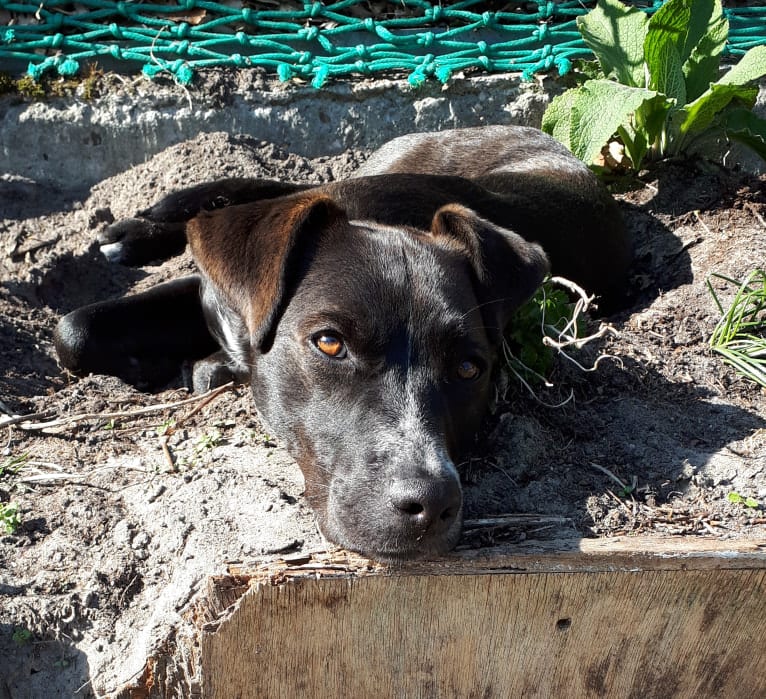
[528, 182]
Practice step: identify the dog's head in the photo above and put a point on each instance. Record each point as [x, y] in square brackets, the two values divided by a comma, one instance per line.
[371, 352]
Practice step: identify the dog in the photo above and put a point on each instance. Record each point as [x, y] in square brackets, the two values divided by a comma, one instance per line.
[366, 315]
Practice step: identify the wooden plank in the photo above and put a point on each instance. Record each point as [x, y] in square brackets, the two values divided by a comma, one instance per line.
[587, 618]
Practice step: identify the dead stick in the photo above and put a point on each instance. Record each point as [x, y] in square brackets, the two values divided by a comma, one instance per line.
[205, 398]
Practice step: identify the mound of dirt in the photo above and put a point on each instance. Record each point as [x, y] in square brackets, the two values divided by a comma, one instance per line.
[124, 511]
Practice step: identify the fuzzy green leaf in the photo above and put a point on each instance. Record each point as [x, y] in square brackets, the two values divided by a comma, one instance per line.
[698, 115]
[599, 108]
[557, 120]
[751, 67]
[701, 67]
[684, 23]
[616, 33]
[666, 70]
[745, 127]
[665, 48]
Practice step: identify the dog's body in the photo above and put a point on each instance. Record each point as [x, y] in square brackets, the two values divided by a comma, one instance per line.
[366, 314]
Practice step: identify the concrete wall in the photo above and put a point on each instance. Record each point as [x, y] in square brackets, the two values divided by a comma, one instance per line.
[73, 142]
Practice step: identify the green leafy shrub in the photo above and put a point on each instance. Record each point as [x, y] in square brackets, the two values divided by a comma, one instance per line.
[660, 87]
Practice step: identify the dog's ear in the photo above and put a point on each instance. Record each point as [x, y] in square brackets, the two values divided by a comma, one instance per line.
[248, 253]
[508, 268]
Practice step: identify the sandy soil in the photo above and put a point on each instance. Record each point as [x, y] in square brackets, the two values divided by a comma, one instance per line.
[116, 538]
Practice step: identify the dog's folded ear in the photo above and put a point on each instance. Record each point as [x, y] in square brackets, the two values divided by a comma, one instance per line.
[248, 253]
[508, 268]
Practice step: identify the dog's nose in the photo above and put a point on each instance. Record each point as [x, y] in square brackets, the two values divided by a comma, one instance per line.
[428, 505]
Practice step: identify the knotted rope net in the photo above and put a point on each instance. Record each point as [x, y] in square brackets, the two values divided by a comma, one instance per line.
[314, 41]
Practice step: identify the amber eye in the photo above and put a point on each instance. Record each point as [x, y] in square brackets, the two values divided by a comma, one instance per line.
[468, 370]
[331, 345]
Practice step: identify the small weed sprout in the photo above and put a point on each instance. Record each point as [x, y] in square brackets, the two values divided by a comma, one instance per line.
[740, 335]
[10, 519]
[21, 636]
[547, 326]
[208, 441]
[166, 428]
[738, 499]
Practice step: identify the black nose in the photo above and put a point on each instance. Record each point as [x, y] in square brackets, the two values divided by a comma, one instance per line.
[427, 505]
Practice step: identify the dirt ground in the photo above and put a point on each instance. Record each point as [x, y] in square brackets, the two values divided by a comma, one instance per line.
[121, 521]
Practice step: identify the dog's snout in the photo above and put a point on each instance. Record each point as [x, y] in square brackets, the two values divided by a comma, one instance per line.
[427, 504]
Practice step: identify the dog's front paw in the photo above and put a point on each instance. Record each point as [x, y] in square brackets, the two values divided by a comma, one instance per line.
[212, 372]
[136, 241]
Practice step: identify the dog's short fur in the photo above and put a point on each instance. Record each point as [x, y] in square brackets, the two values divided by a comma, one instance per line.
[366, 315]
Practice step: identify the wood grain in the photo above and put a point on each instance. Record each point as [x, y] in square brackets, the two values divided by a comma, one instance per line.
[591, 618]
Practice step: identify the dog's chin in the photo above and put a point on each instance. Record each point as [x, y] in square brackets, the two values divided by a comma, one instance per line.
[393, 551]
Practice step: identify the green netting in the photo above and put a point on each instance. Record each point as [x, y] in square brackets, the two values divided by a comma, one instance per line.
[311, 40]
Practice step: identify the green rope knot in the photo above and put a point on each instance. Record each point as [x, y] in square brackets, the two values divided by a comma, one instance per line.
[115, 30]
[542, 32]
[369, 25]
[443, 74]
[433, 14]
[68, 67]
[315, 10]
[563, 65]
[546, 10]
[421, 73]
[321, 74]
[57, 41]
[179, 47]
[180, 70]
[308, 33]
[9, 36]
[487, 19]
[426, 39]
[36, 71]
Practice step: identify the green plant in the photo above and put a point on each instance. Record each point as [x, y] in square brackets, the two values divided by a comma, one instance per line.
[740, 335]
[9, 517]
[546, 314]
[660, 88]
[13, 464]
[21, 636]
[208, 441]
[738, 499]
[10, 520]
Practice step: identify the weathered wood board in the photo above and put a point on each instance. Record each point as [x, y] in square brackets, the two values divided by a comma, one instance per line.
[591, 618]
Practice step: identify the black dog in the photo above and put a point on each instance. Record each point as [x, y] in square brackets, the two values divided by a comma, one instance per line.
[366, 314]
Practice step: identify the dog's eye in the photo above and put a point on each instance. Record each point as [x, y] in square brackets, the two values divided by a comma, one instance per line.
[468, 370]
[331, 345]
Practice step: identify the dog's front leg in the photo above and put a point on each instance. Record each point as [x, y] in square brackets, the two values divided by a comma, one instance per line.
[144, 338]
[159, 232]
